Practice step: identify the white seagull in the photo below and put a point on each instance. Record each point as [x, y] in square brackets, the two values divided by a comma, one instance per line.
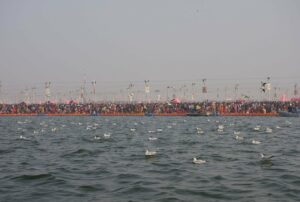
[106, 135]
[255, 142]
[198, 161]
[150, 153]
[269, 130]
[257, 128]
[238, 137]
[264, 157]
[236, 132]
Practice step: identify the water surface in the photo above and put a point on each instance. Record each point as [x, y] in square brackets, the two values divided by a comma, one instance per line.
[103, 159]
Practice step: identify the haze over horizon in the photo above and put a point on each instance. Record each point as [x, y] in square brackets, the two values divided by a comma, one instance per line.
[121, 41]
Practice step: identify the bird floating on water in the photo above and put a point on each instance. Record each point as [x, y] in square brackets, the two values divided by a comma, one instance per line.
[257, 128]
[264, 157]
[236, 132]
[200, 131]
[255, 142]
[150, 153]
[106, 135]
[152, 138]
[238, 137]
[23, 138]
[220, 128]
[269, 130]
[198, 161]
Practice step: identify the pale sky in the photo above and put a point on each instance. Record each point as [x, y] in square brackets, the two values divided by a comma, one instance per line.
[160, 40]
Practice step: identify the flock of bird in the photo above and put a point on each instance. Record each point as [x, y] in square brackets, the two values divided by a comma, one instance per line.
[220, 129]
[153, 153]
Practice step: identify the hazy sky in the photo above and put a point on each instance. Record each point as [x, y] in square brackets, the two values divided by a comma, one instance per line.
[61, 40]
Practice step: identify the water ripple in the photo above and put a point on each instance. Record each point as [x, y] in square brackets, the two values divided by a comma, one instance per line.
[77, 162]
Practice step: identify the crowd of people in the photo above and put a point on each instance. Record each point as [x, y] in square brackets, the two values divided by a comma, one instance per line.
[205, 107]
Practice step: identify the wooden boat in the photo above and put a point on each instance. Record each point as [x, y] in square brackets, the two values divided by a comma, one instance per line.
[291, 112]
[17, 115]
[203, 114]
[288, 114]
[170, 114]
[121, 114]
[249, 114]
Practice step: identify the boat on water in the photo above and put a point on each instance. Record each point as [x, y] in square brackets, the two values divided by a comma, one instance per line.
[202, 114]
[292, 112]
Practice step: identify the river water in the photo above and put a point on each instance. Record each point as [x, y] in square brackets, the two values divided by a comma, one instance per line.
[103, 159]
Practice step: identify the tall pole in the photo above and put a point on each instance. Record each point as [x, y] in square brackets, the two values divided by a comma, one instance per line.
[168, 87]
[0, 91]
[33, 100]
[130, 92]
[158, 95]
[47, 91]
[193, 91]
[236, 88]
[147, 90]
[204, 89]
[94, 90]
[295, 90]
[269, 88]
